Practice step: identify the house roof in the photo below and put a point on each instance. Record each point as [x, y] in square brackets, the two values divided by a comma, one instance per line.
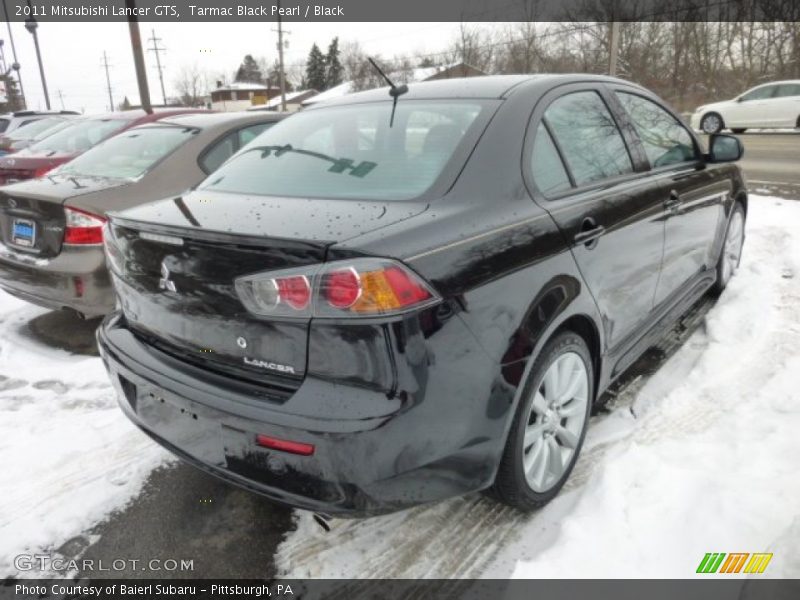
[241, 86]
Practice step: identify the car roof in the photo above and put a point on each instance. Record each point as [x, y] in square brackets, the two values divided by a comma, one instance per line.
[488, 86]
[222, 119]
[781, 82]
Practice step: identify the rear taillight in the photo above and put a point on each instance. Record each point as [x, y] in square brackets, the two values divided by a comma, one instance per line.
[364, 287]
[83, 228]
[41, 171]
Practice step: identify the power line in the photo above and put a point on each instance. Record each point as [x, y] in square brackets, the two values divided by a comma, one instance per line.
[156, 49]
[108, 81]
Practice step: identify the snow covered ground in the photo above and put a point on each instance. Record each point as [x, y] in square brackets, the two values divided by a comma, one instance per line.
[69, 456]
[709, 463]
[704, 456]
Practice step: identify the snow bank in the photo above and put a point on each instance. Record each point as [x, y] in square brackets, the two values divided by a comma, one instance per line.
[710, 462]
[713, 462]
[69, 455]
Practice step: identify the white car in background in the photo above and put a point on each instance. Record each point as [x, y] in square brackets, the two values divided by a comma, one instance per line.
[773, 105]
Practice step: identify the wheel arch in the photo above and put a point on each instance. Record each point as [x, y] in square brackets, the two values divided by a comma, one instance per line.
[582, 325]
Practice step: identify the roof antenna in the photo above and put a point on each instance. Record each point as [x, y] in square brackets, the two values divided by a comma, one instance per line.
[395, 91]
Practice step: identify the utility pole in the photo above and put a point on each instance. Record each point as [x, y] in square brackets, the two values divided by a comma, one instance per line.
[108, 82]
[138, 57]
[15, 65]
[61, 98]
[281, 78]
[31, 25]
[613, 48]
[157, 50]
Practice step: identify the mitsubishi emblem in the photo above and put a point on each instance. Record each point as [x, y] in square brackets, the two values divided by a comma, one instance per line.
[165, 283]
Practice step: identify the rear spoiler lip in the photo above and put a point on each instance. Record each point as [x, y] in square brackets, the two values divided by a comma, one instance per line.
[216, 236]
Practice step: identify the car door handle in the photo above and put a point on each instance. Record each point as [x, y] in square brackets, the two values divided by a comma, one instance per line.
[589, 233]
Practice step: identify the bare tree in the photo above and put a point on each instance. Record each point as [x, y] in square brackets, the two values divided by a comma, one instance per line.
[192, 85]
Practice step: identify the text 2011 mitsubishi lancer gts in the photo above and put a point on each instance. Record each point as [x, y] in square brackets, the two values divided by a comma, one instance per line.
[400, 297]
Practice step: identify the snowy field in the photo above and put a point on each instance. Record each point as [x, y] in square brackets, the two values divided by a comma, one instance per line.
[704, 456]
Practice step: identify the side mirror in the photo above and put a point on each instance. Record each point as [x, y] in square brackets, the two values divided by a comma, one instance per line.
[724, 148]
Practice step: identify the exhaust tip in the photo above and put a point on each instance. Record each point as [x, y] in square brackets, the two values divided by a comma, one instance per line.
[323, 521]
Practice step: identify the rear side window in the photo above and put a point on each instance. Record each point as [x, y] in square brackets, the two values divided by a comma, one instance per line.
[788, 89]
[230, 145]
[3, 125]
[248, 134]
[759, 93]
[354, 151]
[219, 153]
[590, 141]
[665, 140]
[547, 170]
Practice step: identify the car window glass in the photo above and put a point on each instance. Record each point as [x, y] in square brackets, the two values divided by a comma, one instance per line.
[547, 170]
[130, 154]
[35, 128]
[353, 151]
[79, 137]
[759, 93]
[665, 140]
[219, 153]
[588, 136]
[248, 134]
[788, 89]
[26, 122]
[3, 125]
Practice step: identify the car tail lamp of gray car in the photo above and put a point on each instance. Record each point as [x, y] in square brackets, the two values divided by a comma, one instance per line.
[364, 287]
[83, 228]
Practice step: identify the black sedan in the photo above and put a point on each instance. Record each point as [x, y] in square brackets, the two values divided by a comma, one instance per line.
[393, 299]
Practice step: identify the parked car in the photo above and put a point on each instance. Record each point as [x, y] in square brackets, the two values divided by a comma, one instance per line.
[12, 121]
[43, 156]
[773, 105]
[22, 137]
[385, 301]
[51, 252]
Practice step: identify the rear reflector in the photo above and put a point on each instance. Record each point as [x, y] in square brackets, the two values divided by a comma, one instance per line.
[272, 443]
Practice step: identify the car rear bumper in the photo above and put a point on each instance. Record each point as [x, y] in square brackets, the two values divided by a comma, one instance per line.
[360, 467]
[77, 279]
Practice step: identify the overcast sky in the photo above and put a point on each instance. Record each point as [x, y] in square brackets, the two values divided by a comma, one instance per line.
[72, 53]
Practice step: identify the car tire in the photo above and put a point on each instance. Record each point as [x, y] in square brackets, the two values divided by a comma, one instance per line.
[738, 131]
[529, 475]
[731, 254]
[712, 123]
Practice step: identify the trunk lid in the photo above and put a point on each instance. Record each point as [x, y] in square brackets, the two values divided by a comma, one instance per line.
[32, 212]
[181, 257]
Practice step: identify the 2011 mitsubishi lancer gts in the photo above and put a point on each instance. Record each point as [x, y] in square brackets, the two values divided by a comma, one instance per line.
[396, 298]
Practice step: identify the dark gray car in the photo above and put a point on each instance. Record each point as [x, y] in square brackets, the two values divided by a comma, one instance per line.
[51, 229]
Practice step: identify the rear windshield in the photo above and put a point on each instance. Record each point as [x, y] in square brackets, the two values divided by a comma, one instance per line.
[129, 155]
[31, 130]
[78, 138]
[352, 151]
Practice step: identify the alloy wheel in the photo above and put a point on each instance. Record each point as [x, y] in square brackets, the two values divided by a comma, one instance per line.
[711, 124]
[555, 422]
[732, 251]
